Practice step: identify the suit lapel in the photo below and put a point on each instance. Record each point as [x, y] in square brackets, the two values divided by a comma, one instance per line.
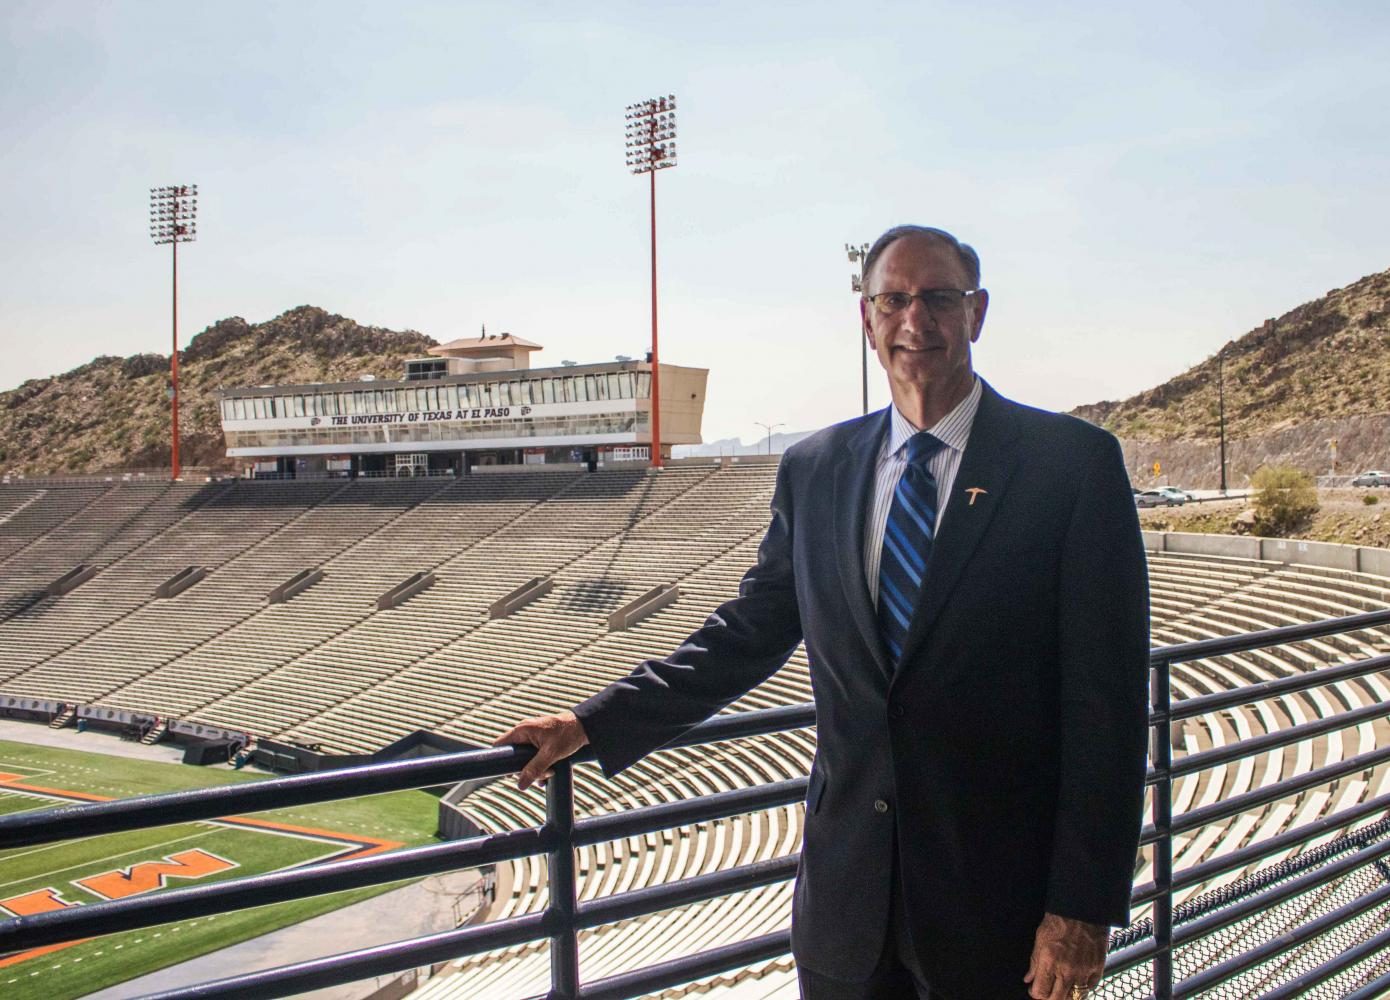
[985, 469]
[853, 483]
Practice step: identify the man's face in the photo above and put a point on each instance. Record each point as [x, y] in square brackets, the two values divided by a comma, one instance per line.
[921, 351]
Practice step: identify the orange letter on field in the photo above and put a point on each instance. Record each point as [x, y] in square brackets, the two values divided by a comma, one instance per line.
[153, 874]
[42, 901]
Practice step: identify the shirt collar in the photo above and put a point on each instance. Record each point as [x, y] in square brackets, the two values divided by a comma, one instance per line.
[952, 430]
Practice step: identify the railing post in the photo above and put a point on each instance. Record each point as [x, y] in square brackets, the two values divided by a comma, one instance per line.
[1161, 756]
[564, 941]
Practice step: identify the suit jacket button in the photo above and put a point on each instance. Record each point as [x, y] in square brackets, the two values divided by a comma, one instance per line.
[880, 806]
[897, 711]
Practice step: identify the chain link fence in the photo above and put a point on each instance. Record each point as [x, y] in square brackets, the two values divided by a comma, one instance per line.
[1269, 925]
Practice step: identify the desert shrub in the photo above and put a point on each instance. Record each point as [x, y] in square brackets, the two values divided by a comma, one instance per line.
[1285, 500]
[1370, 499]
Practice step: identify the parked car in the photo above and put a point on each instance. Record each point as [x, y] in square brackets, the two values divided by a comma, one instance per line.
[1372, 478]
[1164, 496]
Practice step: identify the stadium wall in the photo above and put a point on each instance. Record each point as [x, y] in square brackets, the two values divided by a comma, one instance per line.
[1328, 555]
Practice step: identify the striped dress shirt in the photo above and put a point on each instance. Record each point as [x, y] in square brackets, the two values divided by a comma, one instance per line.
[952, 430]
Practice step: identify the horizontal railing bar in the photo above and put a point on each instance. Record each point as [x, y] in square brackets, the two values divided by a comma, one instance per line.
[1267, 741]
[1186, 651]
[1295, 989]
[1141, 894]
[1345, 960]
[350, 966]
[27, 829]
[298, 883]
[185, 903]
[1276, 739]
[1299, 835]
[1199, 873]
[1225, 808]
[1376, 989]
[1127, 958]
[655, 978]
[1238, 804]
[1190, 931]
[683, 812]
[1261, 690]
[220, 801]
[696, 889]
[1212, 977]
[737, 725]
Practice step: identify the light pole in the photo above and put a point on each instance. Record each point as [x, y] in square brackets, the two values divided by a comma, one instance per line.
[769, 428]
[856, 285]
[174, 220]
[651, 146]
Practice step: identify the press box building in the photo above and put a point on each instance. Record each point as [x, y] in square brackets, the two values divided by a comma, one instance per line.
[472, 402]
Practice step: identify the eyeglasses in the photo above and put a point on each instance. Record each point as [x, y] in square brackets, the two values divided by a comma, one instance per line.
[941, 303]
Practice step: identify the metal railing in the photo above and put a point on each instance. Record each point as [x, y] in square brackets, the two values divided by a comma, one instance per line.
[1153, 944]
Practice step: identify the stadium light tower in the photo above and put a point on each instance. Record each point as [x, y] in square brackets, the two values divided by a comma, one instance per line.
[174, 220]
[856, 285]
[651, 146]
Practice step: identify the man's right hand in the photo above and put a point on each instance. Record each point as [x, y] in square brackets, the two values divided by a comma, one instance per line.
[555, 737]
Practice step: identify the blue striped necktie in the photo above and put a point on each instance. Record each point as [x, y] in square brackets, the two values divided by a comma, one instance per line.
[907, 542]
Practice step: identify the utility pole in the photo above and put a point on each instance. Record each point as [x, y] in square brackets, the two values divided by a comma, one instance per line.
[651, 146]
[174, 220]
[1221, 412]
[856, 285]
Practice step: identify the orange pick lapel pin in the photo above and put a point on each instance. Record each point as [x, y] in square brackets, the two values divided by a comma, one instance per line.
[975, 492]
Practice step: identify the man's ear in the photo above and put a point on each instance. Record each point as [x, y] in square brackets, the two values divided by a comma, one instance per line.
[980, 302]
[867, 324]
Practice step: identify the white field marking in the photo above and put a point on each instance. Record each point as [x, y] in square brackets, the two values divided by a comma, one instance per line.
[109, 859]
[66, 843]
[28, 772]
[293, 834]
[16, 812]
[45, 847]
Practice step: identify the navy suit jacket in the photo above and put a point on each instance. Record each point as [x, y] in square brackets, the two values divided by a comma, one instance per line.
[1009, 743]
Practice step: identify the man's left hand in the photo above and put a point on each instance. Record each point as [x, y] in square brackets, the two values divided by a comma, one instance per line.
[1066, 953]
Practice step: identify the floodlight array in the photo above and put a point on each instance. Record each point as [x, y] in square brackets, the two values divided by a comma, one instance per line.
[651, 134]
[174, 213]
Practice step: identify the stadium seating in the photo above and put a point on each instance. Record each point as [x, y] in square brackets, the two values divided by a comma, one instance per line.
[327, 667]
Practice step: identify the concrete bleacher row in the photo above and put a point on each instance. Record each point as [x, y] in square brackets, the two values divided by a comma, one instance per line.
[328, 668]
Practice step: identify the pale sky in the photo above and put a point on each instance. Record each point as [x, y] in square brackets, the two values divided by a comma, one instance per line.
[1142, 181]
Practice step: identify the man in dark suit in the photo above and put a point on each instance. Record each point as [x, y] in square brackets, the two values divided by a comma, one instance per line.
[968, 578]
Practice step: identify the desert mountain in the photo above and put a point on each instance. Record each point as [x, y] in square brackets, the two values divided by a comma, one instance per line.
[1328, 358]
[113, 413]
[1310, 388]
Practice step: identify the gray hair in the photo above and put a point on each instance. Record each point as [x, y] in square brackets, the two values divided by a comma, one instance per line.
[969, 259]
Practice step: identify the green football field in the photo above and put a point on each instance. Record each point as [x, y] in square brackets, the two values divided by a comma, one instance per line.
[85, 870]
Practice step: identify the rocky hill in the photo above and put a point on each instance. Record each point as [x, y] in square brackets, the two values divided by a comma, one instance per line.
[1318, 374]
[113, 413]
